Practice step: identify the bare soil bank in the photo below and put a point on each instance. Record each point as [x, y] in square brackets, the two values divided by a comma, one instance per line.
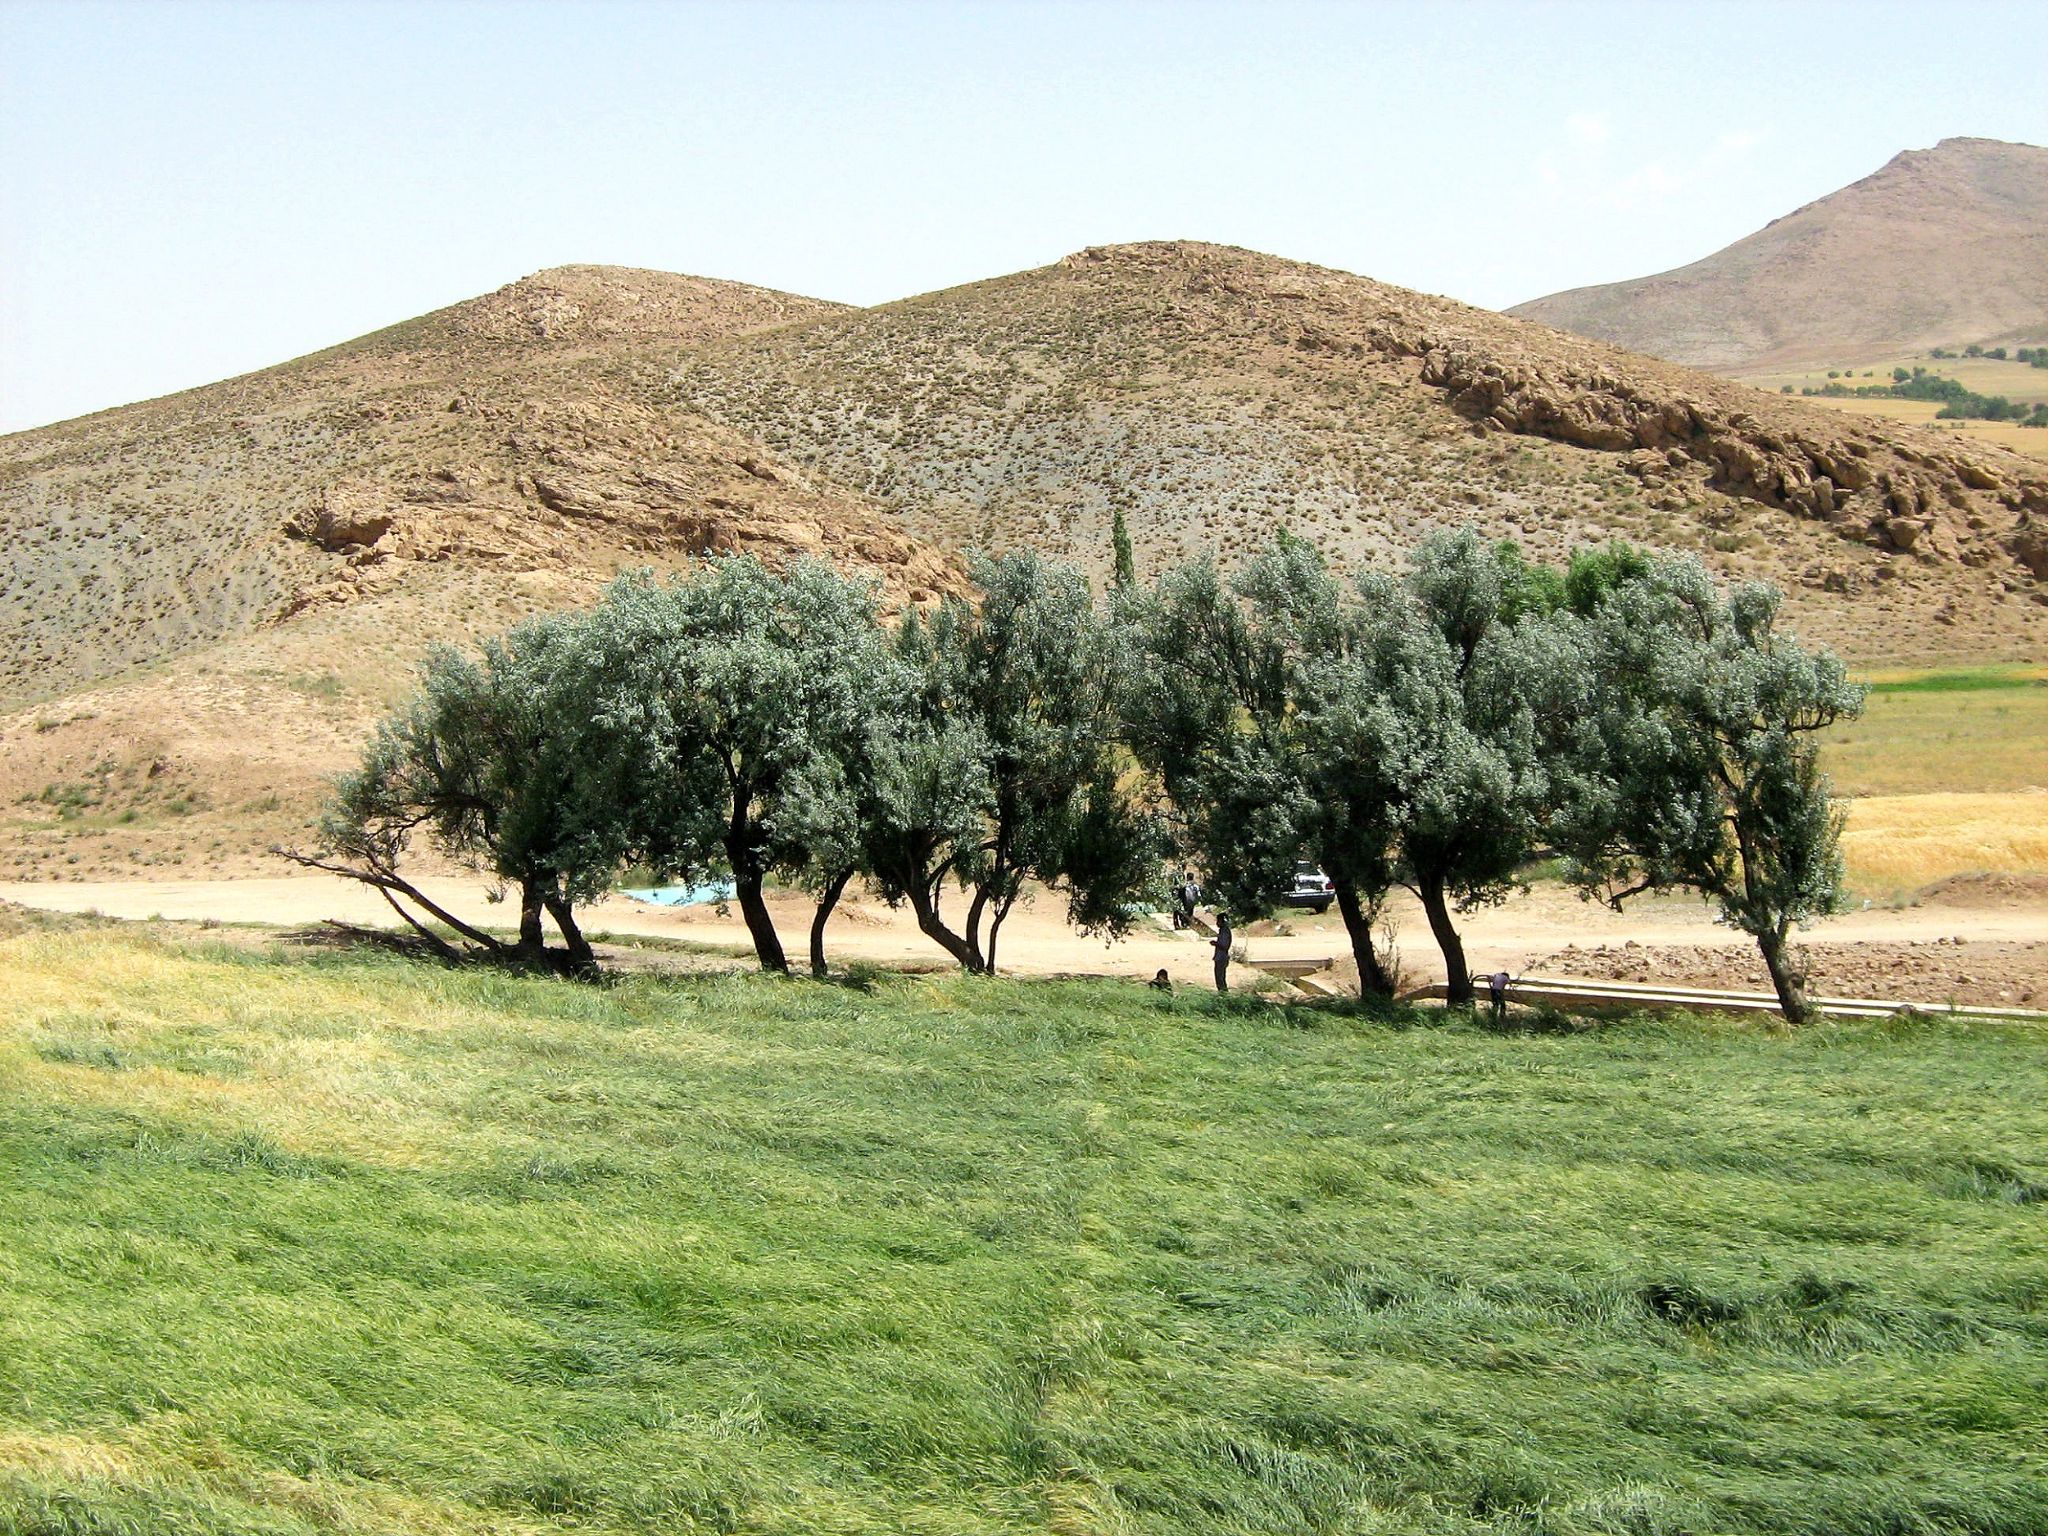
[1905, 954]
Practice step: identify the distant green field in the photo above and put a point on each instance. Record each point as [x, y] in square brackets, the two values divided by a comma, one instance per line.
[352, 1244]
[1973, 730]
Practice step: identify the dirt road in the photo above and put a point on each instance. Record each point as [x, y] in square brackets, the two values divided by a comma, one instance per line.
[1036, 940]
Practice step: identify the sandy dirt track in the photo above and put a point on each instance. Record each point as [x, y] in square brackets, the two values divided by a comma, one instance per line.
[1036, 941]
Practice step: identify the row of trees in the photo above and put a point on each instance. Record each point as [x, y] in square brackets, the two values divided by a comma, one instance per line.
[757, 725]
[1439, 731]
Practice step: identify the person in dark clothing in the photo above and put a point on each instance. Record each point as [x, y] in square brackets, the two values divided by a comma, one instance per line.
[1161, 982]
[1497, 990]
[1190, 893]
[1222, 947]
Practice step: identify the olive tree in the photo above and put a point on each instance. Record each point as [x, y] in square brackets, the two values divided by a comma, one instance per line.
[497, 761]
[1006, 767]
[1472, 664]
[1259, 707]
[741, 696]
[1387, 728]
[821, 831]
[1698, 763]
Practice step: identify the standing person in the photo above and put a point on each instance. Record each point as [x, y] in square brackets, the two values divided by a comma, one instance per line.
[1222, 946]
[1190, 894]
[1497, 989]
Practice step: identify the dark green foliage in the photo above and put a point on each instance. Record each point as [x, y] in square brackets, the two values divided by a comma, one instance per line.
[1959, 402]
[1123, 565]
[1596, 572]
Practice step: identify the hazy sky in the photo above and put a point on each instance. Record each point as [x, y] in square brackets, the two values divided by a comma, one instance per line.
[194, 190]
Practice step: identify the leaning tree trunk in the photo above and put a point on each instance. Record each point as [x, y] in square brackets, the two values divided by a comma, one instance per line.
[826, 902]
[1435, 906]
[934, 928]
[533, 942]
[1373, 979]
[581, 956]
[1788, 978]
[745, 860]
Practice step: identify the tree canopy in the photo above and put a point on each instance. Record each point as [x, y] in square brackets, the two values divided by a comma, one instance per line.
[1434, 730]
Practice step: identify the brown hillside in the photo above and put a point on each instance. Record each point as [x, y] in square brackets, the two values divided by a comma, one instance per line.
[487, 433]
[1942, 247]
[1215, 394]
[208, 598]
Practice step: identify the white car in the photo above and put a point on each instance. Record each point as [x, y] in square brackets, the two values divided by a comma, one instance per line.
[1312, 889]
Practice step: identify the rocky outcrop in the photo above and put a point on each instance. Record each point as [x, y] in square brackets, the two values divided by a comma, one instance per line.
[1876, 488]
[586, 486]
[344, 518]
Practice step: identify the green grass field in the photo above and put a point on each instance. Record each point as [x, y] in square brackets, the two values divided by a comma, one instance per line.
[345, 1243]
[1980, 730]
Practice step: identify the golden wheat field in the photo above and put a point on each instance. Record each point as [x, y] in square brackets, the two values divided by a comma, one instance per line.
[1983, 731]
[1901, 842]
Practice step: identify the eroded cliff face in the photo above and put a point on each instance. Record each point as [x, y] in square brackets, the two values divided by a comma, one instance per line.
[1876, 486]
[587, 486]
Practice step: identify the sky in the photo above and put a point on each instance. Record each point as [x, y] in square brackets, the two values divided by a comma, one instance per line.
[191, 190]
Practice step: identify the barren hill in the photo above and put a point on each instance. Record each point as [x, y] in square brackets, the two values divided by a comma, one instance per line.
[208, 597]
[487, 434]
[1942, 247]
[1214, 394]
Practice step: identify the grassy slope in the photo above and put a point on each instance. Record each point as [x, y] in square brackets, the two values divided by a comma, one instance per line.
[353, 1245]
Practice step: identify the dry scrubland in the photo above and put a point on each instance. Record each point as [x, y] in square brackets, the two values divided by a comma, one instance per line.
[1213, 395]
[307, 1243]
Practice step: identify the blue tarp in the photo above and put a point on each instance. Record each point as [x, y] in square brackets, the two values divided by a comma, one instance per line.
[684, 895]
